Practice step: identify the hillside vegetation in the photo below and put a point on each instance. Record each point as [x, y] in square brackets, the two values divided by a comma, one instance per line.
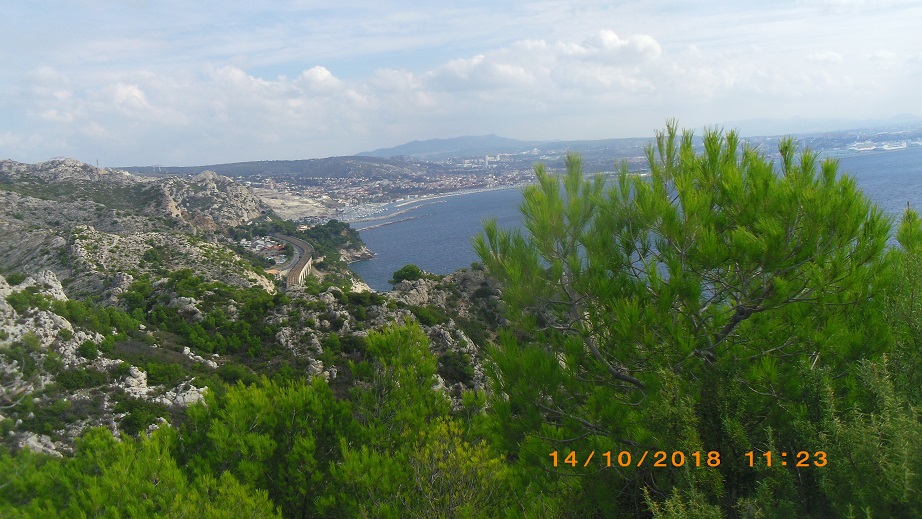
[728, 336]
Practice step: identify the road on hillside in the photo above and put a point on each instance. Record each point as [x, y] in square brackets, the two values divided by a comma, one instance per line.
[304, 250]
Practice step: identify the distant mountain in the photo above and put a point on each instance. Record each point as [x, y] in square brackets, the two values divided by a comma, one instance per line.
[332, 167]
[802, 125]
[437, 149]
[420, 157]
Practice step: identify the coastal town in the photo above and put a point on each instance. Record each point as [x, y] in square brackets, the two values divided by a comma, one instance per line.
[313, 199]
[355, 188]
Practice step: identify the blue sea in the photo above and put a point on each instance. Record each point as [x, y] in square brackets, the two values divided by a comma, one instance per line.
[435, 234]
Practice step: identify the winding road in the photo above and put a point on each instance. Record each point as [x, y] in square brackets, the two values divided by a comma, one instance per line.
[304, 254]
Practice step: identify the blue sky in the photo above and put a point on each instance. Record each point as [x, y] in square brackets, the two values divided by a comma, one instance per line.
[139, 82]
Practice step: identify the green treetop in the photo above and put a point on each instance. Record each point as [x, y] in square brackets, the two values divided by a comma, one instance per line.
[637, 307]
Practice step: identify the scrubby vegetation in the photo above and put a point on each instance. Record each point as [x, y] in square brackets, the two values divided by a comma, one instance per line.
[327, 238]
[726, 337]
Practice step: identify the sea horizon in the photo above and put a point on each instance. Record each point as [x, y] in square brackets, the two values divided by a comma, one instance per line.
[436, 233]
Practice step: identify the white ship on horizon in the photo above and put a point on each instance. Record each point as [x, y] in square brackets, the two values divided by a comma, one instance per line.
[895, 146]
[864, 146]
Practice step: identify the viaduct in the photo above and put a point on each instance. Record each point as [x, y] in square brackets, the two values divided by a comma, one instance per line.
[303, 267]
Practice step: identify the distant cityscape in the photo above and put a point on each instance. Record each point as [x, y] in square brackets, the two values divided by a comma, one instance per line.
[353, 188]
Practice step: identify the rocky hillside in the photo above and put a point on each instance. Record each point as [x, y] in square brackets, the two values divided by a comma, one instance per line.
[59, 374]
[331, 167]
[87, 224]
[123, 300]
[210, 202]
[206, 201]
[159, 343]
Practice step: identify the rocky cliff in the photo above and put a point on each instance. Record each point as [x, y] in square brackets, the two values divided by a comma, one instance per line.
[44, 357]
[209, 201]
[87, 223]
[206, 201]
[121, 302]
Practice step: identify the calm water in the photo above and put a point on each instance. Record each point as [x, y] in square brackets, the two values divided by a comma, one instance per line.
[438, 237]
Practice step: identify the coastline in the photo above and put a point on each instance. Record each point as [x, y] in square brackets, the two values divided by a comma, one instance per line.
[366, 213]
[435, 238]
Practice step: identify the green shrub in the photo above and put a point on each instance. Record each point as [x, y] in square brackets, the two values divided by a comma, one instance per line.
[353, 344]
[365, 298]
[88, 350]
[332, 343]
[46, 419]
[141, 413]
[429, 315]
[359, 312]
[15, 278]
[233, 373]
[107, 345]
[24, 352]
[407, 273]
[74, 379]
[169, 375]
[24, 299]
[336, 322]
[53, 363]
[456, 367]
[122, 369]
[474, 330]
[152, 256]
[483, 292]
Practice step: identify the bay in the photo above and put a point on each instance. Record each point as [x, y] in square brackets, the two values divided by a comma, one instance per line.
[435, 234]
[438, 237]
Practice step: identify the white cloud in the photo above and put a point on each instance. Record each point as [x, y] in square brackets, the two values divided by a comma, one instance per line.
[130, 99]
[641, 45]
[56, 116]
[45, 75]
[295, 80]
[319, 79]
[884, 59]
[827, 56]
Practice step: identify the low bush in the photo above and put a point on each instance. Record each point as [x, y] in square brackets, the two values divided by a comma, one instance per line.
[73, 379]
[456, 367]
[88, 350]
[141, 414]
[429, 315]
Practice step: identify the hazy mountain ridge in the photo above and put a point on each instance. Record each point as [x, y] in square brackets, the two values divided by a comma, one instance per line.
[821, 133]
[445, 155]
[475, 146]
[330, 167]
[818, 125]
[436, 149]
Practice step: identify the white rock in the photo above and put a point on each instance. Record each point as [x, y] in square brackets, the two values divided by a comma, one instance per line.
[136, 383]
[315, 368]
[360, 286]
[49, 283]
[39, 443]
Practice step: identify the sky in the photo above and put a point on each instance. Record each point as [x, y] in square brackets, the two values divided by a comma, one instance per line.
[174, 82]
